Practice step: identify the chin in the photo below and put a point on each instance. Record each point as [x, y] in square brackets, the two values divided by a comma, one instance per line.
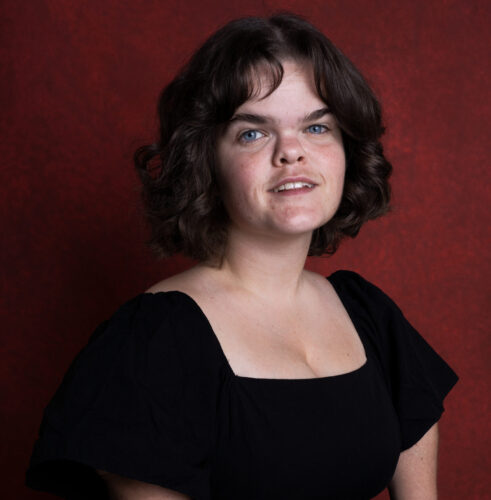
[304, 224]
[298, 229]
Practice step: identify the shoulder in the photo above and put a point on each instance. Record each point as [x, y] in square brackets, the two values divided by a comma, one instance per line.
[167, 305]
[156, 324]
[189, 282]
[142, 313]
[381, 319]
[365, 298]
[350, 278]
[152, 340]
[357, 284]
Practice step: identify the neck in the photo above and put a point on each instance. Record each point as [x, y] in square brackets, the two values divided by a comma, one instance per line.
[269, 268]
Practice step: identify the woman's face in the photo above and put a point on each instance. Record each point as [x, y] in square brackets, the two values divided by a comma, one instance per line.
[281, 159]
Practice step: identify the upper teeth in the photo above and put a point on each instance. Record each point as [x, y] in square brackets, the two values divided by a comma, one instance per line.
[292, 185]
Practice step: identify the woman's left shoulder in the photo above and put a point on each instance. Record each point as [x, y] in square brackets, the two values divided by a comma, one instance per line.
[352, 278]
[356, 288]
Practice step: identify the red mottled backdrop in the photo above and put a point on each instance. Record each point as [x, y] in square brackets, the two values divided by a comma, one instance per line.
[79, 83]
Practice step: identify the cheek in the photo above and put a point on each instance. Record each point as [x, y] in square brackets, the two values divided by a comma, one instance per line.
[237, 183]
[333, 165]
[238, 175]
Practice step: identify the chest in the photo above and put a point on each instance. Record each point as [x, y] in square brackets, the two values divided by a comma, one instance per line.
[316, 339]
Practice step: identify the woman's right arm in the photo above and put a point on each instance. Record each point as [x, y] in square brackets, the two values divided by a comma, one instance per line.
[122, 488]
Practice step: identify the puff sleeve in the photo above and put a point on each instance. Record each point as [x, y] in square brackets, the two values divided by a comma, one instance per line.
[417, 377]
[134, 402]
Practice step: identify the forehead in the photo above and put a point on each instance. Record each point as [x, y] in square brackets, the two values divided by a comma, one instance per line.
[296, 91]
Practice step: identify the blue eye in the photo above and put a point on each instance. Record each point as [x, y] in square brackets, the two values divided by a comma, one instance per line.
[250, 136]
[317, 129]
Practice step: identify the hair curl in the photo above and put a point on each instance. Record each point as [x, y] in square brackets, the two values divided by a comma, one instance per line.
[180, 188]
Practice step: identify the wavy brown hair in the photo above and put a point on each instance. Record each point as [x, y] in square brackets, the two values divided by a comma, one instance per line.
[180, 188]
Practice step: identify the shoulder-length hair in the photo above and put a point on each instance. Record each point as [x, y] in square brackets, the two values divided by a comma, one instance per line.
[180, 188]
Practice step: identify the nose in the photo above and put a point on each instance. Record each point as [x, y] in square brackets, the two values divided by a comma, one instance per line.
[288, 152]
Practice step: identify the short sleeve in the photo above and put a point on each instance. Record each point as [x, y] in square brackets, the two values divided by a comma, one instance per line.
[134, 403]
[417, 377]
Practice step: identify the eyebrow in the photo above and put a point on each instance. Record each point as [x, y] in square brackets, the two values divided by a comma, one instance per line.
[318, 113]
[263, 119]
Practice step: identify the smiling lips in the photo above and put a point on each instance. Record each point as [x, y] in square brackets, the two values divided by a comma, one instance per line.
[293, 186]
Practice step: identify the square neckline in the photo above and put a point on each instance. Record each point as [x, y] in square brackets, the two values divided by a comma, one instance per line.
[245, 378]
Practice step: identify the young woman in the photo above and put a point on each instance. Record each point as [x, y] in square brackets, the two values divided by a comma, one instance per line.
[247, 376]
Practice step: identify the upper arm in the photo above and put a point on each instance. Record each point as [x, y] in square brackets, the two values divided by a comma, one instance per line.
[123, 488]
[415, 477]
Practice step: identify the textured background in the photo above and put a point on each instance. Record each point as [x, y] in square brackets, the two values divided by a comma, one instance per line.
[79, 82]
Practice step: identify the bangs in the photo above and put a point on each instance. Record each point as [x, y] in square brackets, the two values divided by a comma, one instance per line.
[269, 72]
[247, 79]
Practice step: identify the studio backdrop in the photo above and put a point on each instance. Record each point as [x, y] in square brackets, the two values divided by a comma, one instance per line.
[79, 84]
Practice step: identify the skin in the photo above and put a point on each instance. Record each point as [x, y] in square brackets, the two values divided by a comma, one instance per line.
[122, 488]
[286, 134]
[415, 477]
[269, 235]
[289, 133]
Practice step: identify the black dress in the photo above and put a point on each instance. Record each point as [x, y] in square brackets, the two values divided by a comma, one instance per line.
[152, 397]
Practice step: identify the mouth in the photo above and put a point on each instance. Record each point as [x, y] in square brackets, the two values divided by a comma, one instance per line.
[293, 186]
